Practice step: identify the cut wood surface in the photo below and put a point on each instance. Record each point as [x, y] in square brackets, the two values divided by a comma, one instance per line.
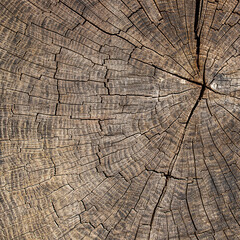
[120, 119]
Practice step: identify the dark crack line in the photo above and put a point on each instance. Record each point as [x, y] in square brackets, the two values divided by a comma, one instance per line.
[190, 214]
[203, 84]
[174, 74]
[195, 105]
[158, 202]
[197, 37]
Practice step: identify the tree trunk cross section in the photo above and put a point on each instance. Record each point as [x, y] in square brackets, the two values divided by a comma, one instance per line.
[120, 119]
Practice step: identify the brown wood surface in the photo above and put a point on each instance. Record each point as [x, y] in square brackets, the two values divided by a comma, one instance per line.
[120, 119]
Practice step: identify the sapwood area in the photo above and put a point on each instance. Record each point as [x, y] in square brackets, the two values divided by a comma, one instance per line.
[120, 119]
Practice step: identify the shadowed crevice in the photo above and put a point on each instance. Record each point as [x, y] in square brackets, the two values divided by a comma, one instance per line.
[198, 100]
[197, 37]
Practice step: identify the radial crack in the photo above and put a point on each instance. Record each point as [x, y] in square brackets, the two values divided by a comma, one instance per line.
[197, 37]
[158, 202]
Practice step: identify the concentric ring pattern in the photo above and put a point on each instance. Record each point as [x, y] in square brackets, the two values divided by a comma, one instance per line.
[120, 119]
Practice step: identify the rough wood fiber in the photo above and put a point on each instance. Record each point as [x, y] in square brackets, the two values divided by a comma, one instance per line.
[120, 119]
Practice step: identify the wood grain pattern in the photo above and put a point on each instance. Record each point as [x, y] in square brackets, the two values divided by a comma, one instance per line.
[120, 119]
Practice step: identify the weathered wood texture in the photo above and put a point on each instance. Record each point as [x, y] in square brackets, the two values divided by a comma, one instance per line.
[120, 119]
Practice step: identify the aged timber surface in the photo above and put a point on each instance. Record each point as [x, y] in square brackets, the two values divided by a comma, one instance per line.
[120, 119]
